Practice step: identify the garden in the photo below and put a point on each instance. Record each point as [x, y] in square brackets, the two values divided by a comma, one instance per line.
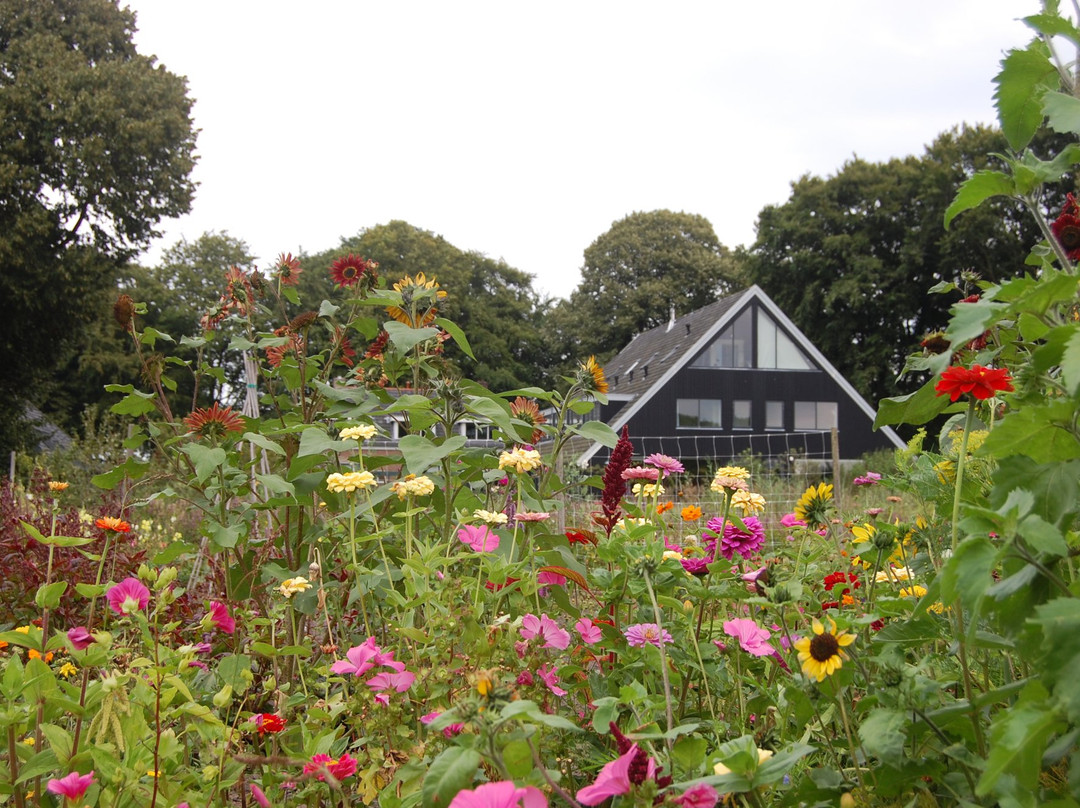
[261, 604]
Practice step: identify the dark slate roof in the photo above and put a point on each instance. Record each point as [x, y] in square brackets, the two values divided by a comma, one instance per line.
[651, 353]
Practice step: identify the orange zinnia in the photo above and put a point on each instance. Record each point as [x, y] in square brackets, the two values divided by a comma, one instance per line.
[113, 523]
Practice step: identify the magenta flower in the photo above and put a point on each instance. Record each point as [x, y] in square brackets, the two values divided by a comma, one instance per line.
[340, 768]
[128, 596]
[362, 658]
[480, 538]
[72, 787]
[501, 794]
[752, 638]
[549, 578]
[549, 676]
[80, 638]
[699, 795]
[259, 796]
[590, 632]
[399, 681]
[546, 629]
[791, 520]
[871, 478]
[641, 473]
[736, 541]
[646, 633]
[613, 780]
[220, 617]
[668, 465]
[450, 730]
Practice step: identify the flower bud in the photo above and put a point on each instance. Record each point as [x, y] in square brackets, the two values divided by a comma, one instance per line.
[223, 697]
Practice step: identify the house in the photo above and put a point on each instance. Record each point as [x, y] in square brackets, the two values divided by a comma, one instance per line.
[735, 376]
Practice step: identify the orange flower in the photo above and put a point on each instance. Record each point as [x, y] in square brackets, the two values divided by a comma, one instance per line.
[56, 486]
[214, 422]
[664, 507]
[981, 382]
[113, 523]
[33, 653]
[526, 410]
[691, 513]
[3, 645]
[592, 368]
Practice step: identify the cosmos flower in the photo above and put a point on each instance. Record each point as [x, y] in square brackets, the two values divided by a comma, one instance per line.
[647, 633]
[691, 513]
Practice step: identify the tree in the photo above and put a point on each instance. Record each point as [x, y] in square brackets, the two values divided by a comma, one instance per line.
[633, 275]
[851, 258]
[96, 145]
[491, 301]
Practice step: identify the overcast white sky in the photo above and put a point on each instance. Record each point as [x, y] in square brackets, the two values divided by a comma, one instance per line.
[522, 130]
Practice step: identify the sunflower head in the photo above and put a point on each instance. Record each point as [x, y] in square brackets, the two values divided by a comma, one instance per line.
[420, 298]
[822, 653]
[354, 270]
[813, 506]
[214, 422]
[593, 375]
[527, 410]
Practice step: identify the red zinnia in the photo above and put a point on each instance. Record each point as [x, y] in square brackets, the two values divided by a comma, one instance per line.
[214, 422]
[981, 382]
[268, 722]
[1067, 228]
[351, 269]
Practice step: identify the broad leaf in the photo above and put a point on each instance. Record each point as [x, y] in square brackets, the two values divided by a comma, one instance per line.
[1042, 432]
[206, 459]
[915, 408]
[405, 338]
[1025, 76]
[1017, 740]
[448, 774]
[451, 328]
[420, 454]
[981, 186]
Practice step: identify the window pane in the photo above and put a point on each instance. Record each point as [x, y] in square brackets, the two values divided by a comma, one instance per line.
[709, 412]
[687, 412]
[766, 341]
[806, 415]
[826, 415]
[788, 354]
[740, 415]
[774, 414]
[742, 331]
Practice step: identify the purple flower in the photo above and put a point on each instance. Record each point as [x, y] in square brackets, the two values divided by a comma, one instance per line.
[668, 465]
[501, 794]
[736, 541]
[752, 638]
[549, 676]
[220, 617]
[80, 638]
[72, 787]
[547, 629]
[480, 538]
[647, 633]
[590, 633]
[699, 795]
[871, 478]
[128, 596]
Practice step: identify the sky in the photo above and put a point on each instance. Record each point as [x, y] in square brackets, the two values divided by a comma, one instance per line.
[523, 130]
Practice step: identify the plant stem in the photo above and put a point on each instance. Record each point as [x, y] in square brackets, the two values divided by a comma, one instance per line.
[663, 660]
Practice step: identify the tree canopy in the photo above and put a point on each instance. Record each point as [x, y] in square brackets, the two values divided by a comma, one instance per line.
[96, 147]
[850, 257]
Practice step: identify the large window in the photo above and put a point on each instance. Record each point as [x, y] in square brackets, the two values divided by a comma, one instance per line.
[698, 413]
[733, 348]
[775, 349]
[815, 415]
[774, 414]
[740, 415]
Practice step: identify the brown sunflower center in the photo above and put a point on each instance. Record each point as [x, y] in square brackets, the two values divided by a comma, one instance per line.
[349, 272]
[824, 647]
[1070, 237]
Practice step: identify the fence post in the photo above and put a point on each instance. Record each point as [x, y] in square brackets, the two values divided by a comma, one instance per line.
[838, 492]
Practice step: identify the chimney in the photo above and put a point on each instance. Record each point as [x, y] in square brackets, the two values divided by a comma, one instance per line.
[671, 320]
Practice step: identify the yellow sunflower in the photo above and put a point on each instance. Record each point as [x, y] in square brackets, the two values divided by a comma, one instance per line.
[822, 654]
[591, 368]
[419, 300]
[813, 505]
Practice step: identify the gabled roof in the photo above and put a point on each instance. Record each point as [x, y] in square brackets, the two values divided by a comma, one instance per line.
[653, 357]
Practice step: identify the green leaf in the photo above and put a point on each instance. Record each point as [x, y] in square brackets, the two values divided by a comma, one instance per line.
[689, 752]
[1060, 623]
[132, 468]
[56, 541]
[1024, 78]
[981, 186]
[172, 552]
[915, 408]
[451, 328]
[420, 454]
[48, 595]
[971, 320]
[1053, 25]
[315, 441]
[882, 733]
[967, 574]
[449, 773]
[1017, 740]
[1043, 432]
[134, 404]
[60, 741]
[263, 442]
[1070, 364]
[275, 484]
[206, 459]
[405, 338]
[517, 757]
[235, 670]
[223, 536]
[599, 432]
[91, 591]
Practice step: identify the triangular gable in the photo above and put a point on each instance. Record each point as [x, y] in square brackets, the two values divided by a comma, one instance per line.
[709, 336]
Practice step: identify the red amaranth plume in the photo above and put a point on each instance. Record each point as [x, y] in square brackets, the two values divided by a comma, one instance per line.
[614, 484]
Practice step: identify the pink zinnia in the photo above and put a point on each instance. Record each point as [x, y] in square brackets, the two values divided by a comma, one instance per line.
[361, 658]
[259, 796]
[647, 633]
[590, 632]
[128, 596]
[340, 768]
[220, 617]
[791, 520]
[668, 465]
[480, 538]
[641, 473]
[532, 516]
[549, 578]
[80, 638]
[545, 628]
[736, 541]
[871, 478]
[501, 794]
[72, 787]
[700, 795]
[752, 638]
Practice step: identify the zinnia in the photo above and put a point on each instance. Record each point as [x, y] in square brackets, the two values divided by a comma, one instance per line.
[340, 768]
[480, 538]
[982, 382]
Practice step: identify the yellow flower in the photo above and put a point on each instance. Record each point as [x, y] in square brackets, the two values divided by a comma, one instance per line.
[29, 740]
[822, 654]
[413, 486]
[520, 460]
[762, 756]
[738, 472]
[57, 486]
[648, 489]
[290, 586]
[946, 472]
[672, 555]
[748, 501]
[813, 505]
[894, 574]
[67, 670]
[23, 629]
[592, 370]
[350, 481]
[913, 591]
[418, 306]
[490, 517]
[357, 433]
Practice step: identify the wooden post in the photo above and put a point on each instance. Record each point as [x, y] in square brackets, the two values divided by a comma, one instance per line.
[837, 488]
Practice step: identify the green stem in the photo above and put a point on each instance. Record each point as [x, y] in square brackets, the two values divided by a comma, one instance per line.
[663, 660]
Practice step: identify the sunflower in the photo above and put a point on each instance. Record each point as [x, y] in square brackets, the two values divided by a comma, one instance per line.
[214, 422]
[813, 505]
[287, 269]
[353, 270]
[525, 409]
[822, 654]
[591, 368]
[419, 300]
